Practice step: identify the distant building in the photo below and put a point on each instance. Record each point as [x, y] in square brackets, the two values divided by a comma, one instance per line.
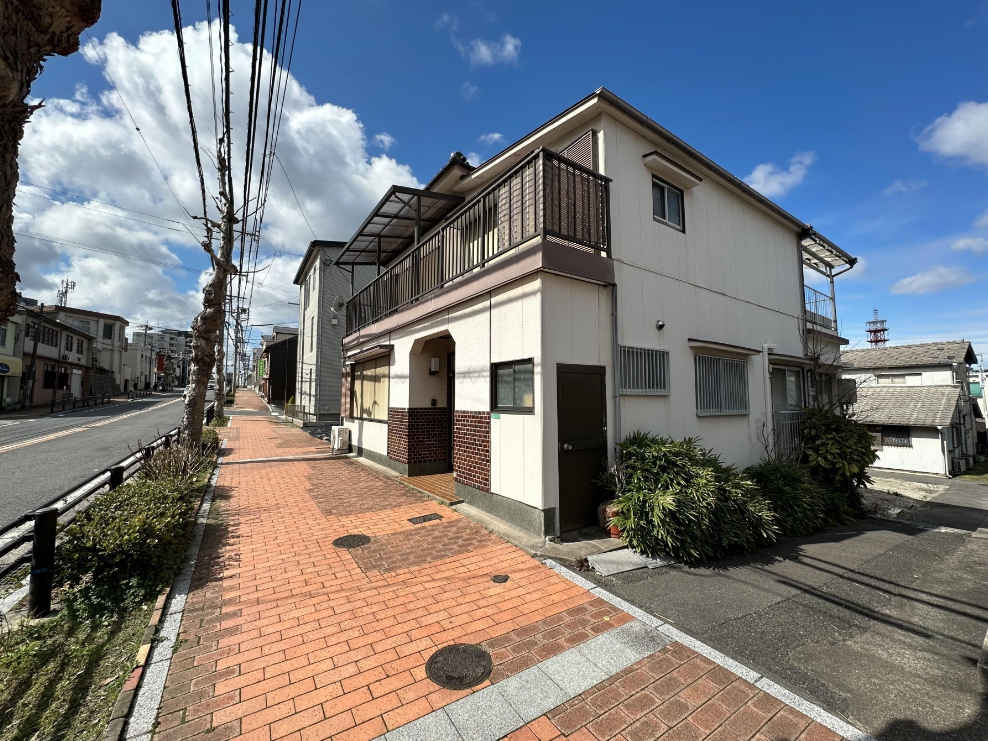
[323, 290]
[916, 401]
[277, 364]
[109, 344]
[58, 359]
[11, 359]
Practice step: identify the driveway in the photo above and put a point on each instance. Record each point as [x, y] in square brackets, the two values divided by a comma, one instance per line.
[881, 622]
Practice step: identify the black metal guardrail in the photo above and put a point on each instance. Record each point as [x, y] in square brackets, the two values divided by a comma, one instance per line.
[46, 525]
[84, 401]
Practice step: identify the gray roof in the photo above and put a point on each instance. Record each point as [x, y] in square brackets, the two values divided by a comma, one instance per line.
[916, 406]
[905, 356]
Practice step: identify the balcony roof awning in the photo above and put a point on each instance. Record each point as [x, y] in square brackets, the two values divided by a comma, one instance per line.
[823, 256]
[390, 228]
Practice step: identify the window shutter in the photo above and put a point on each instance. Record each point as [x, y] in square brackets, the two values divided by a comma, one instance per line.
[583, 151]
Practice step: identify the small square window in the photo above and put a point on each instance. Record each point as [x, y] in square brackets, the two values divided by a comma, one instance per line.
[667, 204]
[514, 386]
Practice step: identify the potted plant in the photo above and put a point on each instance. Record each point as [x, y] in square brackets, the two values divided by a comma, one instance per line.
[606, 512]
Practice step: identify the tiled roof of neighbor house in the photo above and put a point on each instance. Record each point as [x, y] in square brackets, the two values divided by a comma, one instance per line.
[916, 406]
[904, 356]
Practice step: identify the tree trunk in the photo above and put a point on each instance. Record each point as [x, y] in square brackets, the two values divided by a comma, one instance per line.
[208, 324]
[220, 372]
[30, 31]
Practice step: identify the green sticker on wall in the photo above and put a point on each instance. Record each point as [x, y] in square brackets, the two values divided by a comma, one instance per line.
[495, 415]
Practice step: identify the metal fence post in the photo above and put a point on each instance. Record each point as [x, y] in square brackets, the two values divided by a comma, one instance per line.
[116, 476]
[166, 441]
[42, 562]
[148, 451]
[209, 414]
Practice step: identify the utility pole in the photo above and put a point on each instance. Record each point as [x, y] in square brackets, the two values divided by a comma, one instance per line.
[34, 353]
[146, 327]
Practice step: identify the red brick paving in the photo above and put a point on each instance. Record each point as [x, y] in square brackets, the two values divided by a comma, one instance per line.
[286, 637]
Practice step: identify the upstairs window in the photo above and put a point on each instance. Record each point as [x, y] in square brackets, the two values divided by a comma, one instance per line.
[513, 386]
[667, 204]
[3, 334]
[107, 331]
[49, 336]
[79, 347]
[721, 386]
[68, 343]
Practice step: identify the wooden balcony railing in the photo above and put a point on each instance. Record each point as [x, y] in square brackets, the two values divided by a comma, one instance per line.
[545, 195]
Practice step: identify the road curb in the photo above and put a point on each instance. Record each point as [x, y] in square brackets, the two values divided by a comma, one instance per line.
[121, 708]
[983, 661]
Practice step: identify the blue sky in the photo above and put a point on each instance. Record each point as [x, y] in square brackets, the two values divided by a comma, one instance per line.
[857, 85]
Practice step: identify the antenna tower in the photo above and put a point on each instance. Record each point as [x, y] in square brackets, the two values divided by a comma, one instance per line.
[877, 331]
[63, 292]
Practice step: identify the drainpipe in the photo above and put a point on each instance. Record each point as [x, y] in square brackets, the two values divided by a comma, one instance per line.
[767, 390]
[943, 449]
[616, 360]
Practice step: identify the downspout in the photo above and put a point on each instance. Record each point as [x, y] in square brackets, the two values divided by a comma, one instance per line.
[943, 449]
[616, 360]
[767, 390]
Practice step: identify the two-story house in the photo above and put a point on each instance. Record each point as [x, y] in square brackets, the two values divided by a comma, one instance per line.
[598, 276]
[109, 343]
[278, 364]
[916, 401]
[323, 287]
[57, 358]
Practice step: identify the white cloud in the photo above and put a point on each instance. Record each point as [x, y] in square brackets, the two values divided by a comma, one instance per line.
[982, 220]
[977, 245]
[384, 140]
[935, 279]
[474, 158]
[962, 134]
[772, 181]
[488, 53]
[468, 91]
[904, 187]
[492, 138]
[87, 145]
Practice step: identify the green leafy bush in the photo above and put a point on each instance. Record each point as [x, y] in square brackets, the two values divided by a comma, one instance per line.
[838, 451]
[802, 504]
[220, 420]
[210, 441]
[127, 545]
[674, 497]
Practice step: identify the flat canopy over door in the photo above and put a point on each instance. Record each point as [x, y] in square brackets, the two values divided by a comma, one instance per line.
[582, 413]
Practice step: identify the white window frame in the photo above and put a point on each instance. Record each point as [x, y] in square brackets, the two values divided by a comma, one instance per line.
[644, 371]
[721, 386]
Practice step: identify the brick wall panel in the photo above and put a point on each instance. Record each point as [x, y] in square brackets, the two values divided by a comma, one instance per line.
[472, 449]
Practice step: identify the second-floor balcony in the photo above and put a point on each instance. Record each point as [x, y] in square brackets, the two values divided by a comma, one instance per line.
[820, 309]
[545, 197]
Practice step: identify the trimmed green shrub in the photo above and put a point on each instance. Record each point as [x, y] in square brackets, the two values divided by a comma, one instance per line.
[126, 546]
[210, 440]
[674, 497]
[220, 420]
[802, 504]
[838, 451]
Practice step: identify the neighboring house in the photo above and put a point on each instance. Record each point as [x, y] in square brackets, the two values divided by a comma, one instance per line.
[110, 343]
[57, 359]
[11, 359]
[598, 276]
[916, 401]
[138, 364]
[323, 288]
[976, 385]
[277, 364]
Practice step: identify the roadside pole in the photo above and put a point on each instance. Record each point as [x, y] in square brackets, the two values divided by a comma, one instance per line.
[34, 353]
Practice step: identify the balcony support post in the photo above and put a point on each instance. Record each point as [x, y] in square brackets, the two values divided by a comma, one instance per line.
[833, 299]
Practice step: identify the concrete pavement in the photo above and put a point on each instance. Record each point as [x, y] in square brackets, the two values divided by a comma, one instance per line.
[285, 636]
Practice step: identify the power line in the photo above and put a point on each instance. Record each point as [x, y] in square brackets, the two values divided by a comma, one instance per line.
[94, 200]
[106, 213]
[136, 127]
[84, 246]
[296, 196]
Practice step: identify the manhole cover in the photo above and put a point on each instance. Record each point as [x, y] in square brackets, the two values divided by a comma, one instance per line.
[499, 578]
[351, 541]
[459, 666]
[424, 518]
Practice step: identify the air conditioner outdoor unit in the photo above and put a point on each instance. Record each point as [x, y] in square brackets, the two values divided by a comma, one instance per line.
[65, 356]
[339, 439]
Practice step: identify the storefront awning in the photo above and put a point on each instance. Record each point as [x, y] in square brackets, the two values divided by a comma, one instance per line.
[10, 366]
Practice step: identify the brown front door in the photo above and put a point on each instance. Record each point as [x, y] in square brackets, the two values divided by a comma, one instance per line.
[582, 412]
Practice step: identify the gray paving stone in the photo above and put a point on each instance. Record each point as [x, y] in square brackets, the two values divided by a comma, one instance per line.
[484, 716]
[573, 672]
[531, 693]
[612, 651]
[433, 727]
[616, 562]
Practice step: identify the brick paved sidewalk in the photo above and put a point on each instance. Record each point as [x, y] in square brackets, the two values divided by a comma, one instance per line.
[286, 637]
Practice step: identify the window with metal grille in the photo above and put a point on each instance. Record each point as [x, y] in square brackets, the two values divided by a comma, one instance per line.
[644, 371]
[721, 385]
[897, 437]
[667, 204]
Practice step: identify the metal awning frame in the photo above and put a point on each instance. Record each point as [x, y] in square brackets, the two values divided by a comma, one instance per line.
[384, 236]
[823, 256]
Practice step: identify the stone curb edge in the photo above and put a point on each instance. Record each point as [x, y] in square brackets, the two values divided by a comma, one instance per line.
[983, 661]
[121, 708]
[128, 697]
[806, 707]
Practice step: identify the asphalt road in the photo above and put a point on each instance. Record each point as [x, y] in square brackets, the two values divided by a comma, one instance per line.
[44, 456]
[879, 622]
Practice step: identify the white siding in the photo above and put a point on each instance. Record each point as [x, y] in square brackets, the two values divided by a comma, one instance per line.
[925, 455]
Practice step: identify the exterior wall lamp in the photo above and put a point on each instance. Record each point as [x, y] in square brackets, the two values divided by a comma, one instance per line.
[433, 366]
[660, 325]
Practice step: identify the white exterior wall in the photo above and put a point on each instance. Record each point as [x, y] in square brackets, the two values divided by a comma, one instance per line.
[925, 455]
[920, 376]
